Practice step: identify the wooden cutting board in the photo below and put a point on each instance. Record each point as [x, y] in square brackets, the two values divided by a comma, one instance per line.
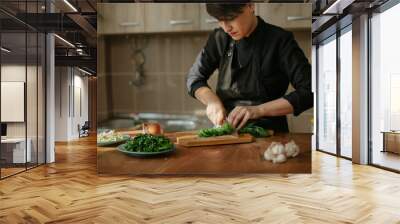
[131, 132]
[194, 140]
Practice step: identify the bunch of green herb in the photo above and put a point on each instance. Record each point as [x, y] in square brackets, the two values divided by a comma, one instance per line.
[148, 143]
[225, 129]
[254, 130]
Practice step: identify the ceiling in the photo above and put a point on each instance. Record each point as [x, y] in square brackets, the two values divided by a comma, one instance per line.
[332, 15]
[72, 20]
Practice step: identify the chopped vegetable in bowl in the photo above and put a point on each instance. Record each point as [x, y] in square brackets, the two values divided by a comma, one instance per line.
[148, 143]
[110, 136]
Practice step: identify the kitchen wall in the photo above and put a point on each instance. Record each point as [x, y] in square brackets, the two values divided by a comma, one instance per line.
[103, 97]
[168, 58]
[71, 101]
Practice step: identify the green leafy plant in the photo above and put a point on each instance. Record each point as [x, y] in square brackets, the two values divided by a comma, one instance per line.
[254, 130]
[225, 129]
[148, 143]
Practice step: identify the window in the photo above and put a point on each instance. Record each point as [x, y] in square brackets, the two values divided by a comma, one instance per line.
[385, 87]
[22, 77]
[326, 102]
[346, 92]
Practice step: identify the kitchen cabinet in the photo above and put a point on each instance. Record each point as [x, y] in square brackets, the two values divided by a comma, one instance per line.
[162, 17]
[126, 18]
[120, 18]
[207, 22]
[391, 141]
[292, 16]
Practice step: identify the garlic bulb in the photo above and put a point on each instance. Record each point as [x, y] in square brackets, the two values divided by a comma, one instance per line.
[292, 149]
[278, 149]
[272, 145]
[279, 158]
[274, 150]
[278, 153]
[268, 155]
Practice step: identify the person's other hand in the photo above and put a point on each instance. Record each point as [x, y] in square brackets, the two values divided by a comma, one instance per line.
[216, 113]
[239, 116]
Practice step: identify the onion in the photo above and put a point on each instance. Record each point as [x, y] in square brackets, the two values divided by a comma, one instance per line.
[153, 128]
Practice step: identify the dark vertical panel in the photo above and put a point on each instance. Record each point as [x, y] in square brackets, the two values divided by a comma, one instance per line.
[1, 163]
[37, 91]
[26, 80]
[73, 91]
[338, 72]
[47, 4]
[369, 100]
[316, 97]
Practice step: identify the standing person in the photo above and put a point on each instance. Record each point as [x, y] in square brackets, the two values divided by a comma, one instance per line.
[255, 62]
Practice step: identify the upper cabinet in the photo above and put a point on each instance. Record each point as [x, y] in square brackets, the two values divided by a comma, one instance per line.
[289, 16]
[129, 18]
[120, 18]
[163, 17]
[206, 21]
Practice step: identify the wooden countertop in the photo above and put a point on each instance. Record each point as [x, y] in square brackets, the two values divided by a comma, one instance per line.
[216, 160]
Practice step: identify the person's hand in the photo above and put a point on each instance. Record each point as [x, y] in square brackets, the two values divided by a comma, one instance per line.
[239, 116]
[216, 113]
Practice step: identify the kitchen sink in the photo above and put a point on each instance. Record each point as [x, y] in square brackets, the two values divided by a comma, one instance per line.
[169, 122]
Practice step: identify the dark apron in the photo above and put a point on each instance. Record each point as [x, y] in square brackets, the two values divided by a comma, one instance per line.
[242, 86]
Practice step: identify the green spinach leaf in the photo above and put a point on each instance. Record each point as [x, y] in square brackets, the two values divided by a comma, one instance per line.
[148, 143]
[254, 130]
[225, 129]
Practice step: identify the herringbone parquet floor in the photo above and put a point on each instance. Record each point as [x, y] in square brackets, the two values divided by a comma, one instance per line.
[70, 191]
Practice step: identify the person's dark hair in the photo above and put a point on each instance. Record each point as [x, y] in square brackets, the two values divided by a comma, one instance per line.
[226, 11]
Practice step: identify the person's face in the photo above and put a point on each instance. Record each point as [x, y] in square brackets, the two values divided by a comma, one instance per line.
[241, 25]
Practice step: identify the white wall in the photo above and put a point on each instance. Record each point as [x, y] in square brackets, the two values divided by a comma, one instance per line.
[70, 83]
[62, 81]
[15, 73]
[79, 117]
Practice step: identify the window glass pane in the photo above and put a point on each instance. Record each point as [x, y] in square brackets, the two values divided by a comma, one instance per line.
[22, 88]
[345, 94]
[31, 96]
[385, 84]
[327, 96]
[15, 150]
[41, 98]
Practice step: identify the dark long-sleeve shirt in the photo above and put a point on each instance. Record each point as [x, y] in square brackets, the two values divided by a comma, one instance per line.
[272, 57]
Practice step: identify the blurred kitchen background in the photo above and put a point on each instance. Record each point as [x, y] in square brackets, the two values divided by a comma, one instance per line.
[54, 44]
[145, 51]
